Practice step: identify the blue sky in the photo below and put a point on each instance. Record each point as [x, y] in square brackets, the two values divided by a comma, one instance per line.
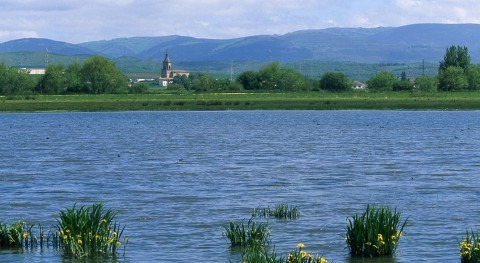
[77, 21]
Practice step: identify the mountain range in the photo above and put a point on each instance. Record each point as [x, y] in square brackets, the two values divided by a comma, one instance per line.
[404, 44]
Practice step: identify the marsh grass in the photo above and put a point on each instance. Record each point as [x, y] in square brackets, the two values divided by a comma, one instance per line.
[260, 254]
[470, 248]
[89, 232]
[374, 233]
[21, 235]
[245, 101]
[253, 234]
[253, 241]
[281, 211]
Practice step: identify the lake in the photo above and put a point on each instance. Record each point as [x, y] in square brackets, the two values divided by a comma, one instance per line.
[177, 178]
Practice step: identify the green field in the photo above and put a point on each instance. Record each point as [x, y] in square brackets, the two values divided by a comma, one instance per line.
[243, 101]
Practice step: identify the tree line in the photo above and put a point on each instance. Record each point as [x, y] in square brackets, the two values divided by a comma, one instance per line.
[98, 75]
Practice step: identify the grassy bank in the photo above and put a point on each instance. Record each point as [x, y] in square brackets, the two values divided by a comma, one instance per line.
[243, 101]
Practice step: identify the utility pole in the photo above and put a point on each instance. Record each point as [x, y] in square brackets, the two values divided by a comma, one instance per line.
[46, 57]
[423, 67]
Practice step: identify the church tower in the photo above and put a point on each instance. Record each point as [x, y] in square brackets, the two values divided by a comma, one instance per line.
[167, 72]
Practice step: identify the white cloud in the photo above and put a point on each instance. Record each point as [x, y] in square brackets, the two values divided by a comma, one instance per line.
[18, 34]
[77, 21]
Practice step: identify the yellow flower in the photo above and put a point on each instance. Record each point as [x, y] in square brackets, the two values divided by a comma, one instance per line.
[67, 231]
[25, 235]
[118, 243]
[322, 260]
[380, 237]
[114, 234]
[300, 245]
[65, 237]
[104, 221]
[303, 254]
[79, 241]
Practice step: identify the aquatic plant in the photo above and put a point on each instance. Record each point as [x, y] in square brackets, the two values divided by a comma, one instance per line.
[374, 233]
[89, 231]
[18, 234]
[301, 256]
[260, 254]
[470, 248]
[281, 211]
[252, 234]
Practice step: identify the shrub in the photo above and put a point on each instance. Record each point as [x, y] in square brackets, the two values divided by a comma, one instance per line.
[375, 233]
[89, 231]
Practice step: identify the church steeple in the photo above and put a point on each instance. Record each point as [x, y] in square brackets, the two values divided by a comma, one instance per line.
[167, 66]
[167, 57]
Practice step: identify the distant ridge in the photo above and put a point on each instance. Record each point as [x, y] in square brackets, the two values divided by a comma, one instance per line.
[404, 44]
[44, 45]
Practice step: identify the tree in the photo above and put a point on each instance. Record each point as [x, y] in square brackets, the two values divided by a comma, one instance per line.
[452, 79]
[15, 81]
[73, 78]
[52, 82]
[274, 77]
[290, 80]
[383, 81]
[473, 75]
[335, 81]
[249, 80]
[402, 85]
[455, 56]
[268, 76]
[202, 82]
[138, 88]
[102, 76]
[426, 83]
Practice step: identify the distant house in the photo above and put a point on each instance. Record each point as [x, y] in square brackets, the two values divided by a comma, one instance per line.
[168, 73]
[359, 85]
[33, 71]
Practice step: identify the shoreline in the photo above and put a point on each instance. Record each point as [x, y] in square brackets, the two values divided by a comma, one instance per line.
[242, 101]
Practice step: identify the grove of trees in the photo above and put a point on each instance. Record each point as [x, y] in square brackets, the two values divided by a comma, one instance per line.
[98, 75]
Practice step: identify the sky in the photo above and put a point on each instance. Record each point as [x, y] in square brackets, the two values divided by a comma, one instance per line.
[77, 21]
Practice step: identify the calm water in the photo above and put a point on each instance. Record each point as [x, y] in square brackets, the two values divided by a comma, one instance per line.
[178, 177]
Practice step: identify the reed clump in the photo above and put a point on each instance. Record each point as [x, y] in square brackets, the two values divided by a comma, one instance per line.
[376, 232]
[470, 248]
[252, 234]
[16, 235]
[89, 232]
[281, 211]
[260, 254]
